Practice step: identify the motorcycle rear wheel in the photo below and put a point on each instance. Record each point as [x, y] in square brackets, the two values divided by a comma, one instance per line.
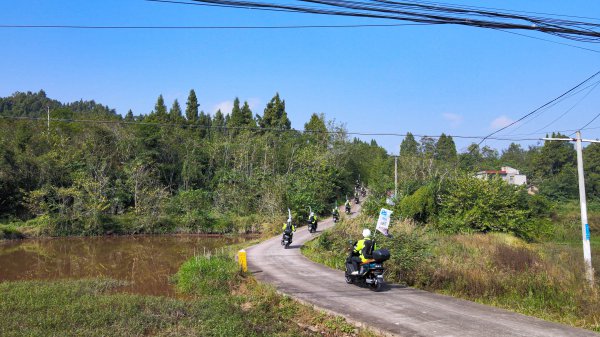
[376, 286]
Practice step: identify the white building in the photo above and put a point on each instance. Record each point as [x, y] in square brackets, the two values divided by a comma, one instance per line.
[508, 174]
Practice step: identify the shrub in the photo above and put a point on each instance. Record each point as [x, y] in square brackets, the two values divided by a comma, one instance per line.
[207, 275]
[418, 206]
[476, 205]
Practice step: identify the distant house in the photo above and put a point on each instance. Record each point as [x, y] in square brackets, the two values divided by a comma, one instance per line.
[508, 174]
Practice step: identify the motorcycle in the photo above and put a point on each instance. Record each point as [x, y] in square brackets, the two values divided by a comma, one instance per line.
[312, 226]
[347, 209]
[288, 233]
[336, 217]
[363, 192]
[356, 200]
[370, 272]
[286, 240]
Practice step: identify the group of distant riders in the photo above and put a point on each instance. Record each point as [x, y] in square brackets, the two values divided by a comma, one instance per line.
[289, 228]
[365, 261]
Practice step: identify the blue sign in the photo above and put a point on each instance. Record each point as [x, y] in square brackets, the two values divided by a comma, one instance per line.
[587, 231]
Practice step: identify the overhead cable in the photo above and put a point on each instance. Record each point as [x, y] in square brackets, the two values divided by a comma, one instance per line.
[249, 128]
[420, 12]
[539, 108]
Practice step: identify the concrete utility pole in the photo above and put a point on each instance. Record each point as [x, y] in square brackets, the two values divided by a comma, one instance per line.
[396, 177]
[585, 227]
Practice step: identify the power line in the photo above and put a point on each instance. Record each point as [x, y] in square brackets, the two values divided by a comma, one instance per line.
[208, 27]
[541, 107]
[571, 108]
[590, 122]
[541, 111]
[415, 11]
[550, 41]
[254, 129]
[508, 10]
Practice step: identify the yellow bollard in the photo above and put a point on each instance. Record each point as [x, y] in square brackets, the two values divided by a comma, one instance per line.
[242, 260]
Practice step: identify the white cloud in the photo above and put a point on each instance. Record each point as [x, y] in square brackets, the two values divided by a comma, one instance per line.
[454, 119]
[254, 103]
[227, 106]
[500, 122]
[224, 106]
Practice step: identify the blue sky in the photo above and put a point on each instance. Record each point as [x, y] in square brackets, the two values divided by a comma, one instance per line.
[423, 79]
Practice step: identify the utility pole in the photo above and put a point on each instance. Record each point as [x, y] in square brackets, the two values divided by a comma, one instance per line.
[585, 227]
[395, 177]
[48, 107]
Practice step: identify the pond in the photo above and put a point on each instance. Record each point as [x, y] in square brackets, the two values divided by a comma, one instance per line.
[146, 262]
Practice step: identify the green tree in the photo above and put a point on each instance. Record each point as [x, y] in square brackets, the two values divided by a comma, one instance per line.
[445, 149]
[274, 115]
[129, 117]
[175, 112]
[409, 146]
[191, 107]
[591, 165]
[427, 147]
[160, 110]
[218, 120]
[316, 131]
[514, 156]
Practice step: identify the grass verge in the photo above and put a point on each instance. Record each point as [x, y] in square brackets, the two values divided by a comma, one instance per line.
[218, 301]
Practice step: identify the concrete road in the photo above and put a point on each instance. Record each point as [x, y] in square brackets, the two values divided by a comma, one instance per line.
[397, 310]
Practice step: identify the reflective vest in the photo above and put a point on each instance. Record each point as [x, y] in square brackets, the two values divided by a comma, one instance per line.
[292, 227]
[360, 246]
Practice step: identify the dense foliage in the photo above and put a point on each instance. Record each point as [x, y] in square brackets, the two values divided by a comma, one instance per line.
[179, 169]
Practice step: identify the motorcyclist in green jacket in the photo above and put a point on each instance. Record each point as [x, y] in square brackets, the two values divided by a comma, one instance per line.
[363, 250]
[335, 212]
[288, 226]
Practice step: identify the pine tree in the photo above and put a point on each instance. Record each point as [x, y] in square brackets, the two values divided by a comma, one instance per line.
[445, 149]
[219, 119]
[160, 109]
[274, 115]
[175, 112]
[236, 119]
[246, 114]
[409, 146]
[204, 122]
[191, 107]
[129, 117]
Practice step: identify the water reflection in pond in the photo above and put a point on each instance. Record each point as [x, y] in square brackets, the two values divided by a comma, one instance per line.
[147, 262]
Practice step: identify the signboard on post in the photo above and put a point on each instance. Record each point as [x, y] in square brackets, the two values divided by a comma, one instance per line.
[383, 223]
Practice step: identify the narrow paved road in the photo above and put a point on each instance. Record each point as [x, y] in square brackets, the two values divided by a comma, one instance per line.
[397, 310]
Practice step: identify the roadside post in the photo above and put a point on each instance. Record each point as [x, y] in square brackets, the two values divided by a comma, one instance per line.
[242, 260]
[585, 227]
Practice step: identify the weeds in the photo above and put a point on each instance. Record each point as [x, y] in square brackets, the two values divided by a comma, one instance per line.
[539, 279]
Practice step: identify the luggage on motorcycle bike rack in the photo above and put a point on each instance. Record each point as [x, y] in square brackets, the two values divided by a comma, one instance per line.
[381, 255]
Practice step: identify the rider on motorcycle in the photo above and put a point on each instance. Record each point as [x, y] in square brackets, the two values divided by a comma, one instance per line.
[312, 220]
[363, 250]
[335, 212]
[348, 206]
[288, 228]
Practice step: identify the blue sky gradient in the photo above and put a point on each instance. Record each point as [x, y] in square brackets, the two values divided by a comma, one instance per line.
[423, 79]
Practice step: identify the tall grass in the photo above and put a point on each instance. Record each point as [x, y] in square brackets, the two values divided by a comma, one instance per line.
[539, 279]
[218, 301]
